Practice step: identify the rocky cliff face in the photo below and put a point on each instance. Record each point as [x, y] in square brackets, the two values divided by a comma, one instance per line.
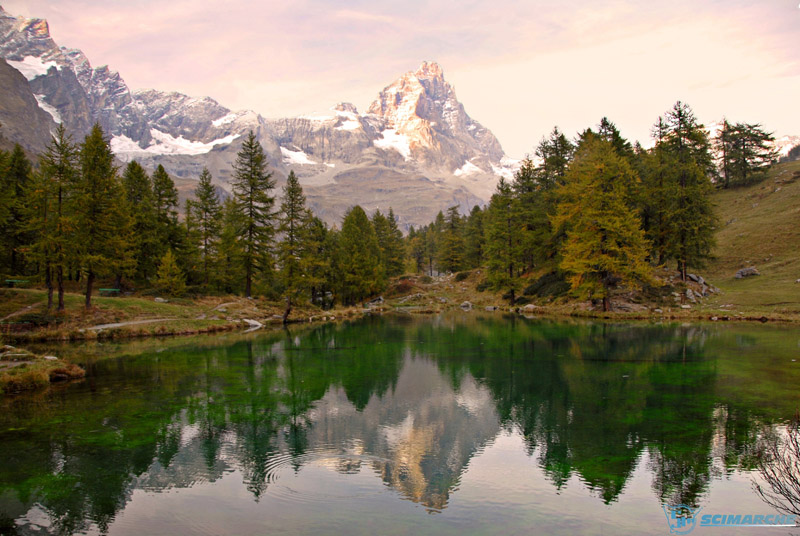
[22, 120]
[415, 148]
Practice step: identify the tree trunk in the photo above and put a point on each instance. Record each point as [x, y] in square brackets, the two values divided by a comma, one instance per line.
[48, 282]
[606, 304]
[60, 283]
[287, 311]
[89, 283]
[248, 281]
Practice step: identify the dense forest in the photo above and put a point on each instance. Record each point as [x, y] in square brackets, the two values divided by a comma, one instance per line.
[584, 215]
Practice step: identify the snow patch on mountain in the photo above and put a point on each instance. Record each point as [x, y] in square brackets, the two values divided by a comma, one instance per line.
[48, 108]
[394, 140]
[32, 66]
[467, 169]
[296, 157]
[164, 144]
[230, 118]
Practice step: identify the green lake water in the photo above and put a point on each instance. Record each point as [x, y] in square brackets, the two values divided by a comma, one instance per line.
[458, 424]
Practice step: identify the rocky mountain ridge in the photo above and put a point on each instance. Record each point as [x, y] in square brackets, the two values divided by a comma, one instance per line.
[415, 138]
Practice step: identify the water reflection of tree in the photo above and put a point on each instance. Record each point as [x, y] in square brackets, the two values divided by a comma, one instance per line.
[779, 465]
[589, 400]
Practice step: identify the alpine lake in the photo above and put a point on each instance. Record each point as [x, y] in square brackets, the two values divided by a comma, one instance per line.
[465, 423]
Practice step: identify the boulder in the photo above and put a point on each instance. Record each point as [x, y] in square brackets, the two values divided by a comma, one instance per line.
[160, 300]
[747, 272]
[696, 278]
[491, 308]
[467, 306]
[530, 308]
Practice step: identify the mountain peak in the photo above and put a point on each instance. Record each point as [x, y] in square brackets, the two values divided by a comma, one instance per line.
[429, 69]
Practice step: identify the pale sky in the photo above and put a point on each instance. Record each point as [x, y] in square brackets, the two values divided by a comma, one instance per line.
[519, 67]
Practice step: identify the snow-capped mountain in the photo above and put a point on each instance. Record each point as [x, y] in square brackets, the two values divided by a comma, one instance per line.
[415, 148]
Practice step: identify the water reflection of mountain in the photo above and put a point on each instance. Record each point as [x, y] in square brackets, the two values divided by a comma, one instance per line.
[410, 400]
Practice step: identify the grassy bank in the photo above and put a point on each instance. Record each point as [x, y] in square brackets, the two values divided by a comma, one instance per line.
[21, 370]
[24, 317]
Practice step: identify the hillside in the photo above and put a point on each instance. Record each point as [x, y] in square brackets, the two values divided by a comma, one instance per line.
[759, 226]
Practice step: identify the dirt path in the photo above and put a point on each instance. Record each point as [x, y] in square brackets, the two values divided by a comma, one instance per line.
[22, 311]
[123, 324]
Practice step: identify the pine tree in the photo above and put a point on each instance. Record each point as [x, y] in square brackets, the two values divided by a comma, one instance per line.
[605, 244]
[16, 179]
[103, 225]
[451, 242]
[50, 214]
[381, 227]
[229, 262]
[252, 185]
[170, 279]
[474, 238]
[165, 203]
[502, 241]
[206, 215]
[658, 194]
[746, 153]
[292, 252]
[358, 260]
[686, 142]
[394, 252]
[147, 242]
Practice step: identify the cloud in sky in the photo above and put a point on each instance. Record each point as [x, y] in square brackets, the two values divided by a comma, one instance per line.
[520, 67]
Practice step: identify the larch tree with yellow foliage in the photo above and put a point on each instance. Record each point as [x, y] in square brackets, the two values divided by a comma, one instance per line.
[605, 245]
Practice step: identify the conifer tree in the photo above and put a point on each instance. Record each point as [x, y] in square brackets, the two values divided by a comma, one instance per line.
[170, 279]
[474, 238]
[358, 261]
[147, 241]
[502, 241]
[395, 250]
[381, 227]
[686, 142]
[15, 183]
[252, 187]
[103, 225]
[165, 203]
[292, 250]
[605, 245]
[229, 264]
[451, 242]
[206, 216]
[746, 152]
[50, 214]
[317, 261]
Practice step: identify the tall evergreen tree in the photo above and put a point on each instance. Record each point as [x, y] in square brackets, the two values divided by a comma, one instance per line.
[605, 244]
[395, 253]
[358, 259]
[51, 212]
[687, 143]
[229, 272]
[746, 153]
[502, 241]
[147, 241]
[206, 214]
[165, 203]
[451, 242]
[292, 252]
[15, 184]
[252, 187]
[103, 226]
[474, 239]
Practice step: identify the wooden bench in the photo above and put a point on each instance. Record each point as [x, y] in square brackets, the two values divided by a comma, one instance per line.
[109, 291]
[11, 282]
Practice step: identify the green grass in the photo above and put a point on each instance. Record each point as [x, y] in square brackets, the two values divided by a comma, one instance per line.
[759, 226]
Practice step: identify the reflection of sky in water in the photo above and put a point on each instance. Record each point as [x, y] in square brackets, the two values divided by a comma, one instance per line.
[583, 431]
